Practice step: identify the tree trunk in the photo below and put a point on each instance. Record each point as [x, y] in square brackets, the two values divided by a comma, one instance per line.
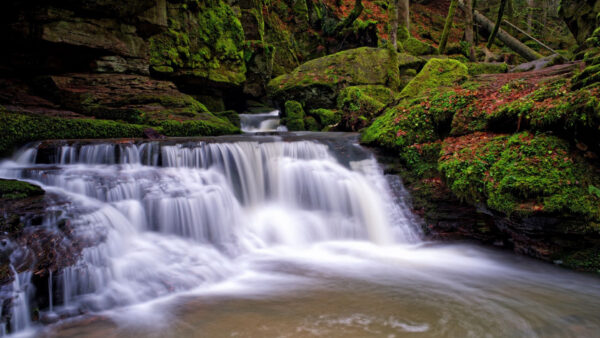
[530, 6]
[349, 20]
[404, 13]
[510, 13]
[469, 29]
[498, 23]
[393, 16]
[506, 38]
[448, 26]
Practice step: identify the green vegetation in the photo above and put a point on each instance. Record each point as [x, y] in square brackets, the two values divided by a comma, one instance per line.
[294, 116]
[206, 40]
[317, 83]
[13, 189]
[436, 74]
[17, 129]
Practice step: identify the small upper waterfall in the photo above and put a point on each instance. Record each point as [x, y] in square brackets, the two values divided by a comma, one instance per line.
[162, 217]
[261, 122]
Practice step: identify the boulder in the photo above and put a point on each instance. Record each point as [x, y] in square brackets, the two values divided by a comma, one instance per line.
[202, 45]
[130, 98]
[317, 83]
[580, 17]
[435, 74]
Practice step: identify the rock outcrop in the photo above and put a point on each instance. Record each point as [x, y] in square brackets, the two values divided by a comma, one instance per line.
[317, 83]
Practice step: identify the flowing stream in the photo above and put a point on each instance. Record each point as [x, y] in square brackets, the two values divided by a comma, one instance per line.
[290, 235]
[261, 122]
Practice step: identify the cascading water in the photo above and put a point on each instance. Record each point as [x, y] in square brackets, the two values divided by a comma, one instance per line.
[261, 122]
[162, 218]
[246, 222]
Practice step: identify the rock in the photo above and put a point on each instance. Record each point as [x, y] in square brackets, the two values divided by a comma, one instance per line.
[317, 83]
[417, 47]
[131, 98]
[118, 64]
[360, 104]
[62, 27]
[152, 134]
[259, 68]
[435, 74]
[478, 68]
[580, 17]
[203, 45]
[294, 116]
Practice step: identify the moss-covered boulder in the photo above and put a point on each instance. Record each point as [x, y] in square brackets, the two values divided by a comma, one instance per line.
[359, 108]
[316, 83]
[204, 42]
[437, 73]
[326, 117]
[478, 68]
[580, 17]
[130, 98]
[294, 116]
[13, 189]
[417, 119]
[417, 47]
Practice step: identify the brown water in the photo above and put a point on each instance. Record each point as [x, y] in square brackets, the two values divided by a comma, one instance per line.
[359, 290]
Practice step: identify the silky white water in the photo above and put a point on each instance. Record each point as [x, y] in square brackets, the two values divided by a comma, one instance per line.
[303, 235]
[261, 122]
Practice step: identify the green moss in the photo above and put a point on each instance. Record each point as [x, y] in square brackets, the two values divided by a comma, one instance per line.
[403, 125]
[353, 100]
[478, 68]
[552, 107]
[435, 74]
[13, 189]
[520, 175]
[229, 115]
[294, 116]
[17, 129]
[310, 123]
[316, 83]
[205, 40]
[417, 47]
[584, 260]
[380, 93]
[465, 163]
[326, 117]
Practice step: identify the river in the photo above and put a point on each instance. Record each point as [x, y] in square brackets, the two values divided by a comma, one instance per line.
[271, 235]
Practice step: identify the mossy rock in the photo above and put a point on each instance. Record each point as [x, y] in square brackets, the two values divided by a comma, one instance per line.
[401, 126]
[523, 175]
[317, 83]
[478, 68]
[204, 40]
[417, 47]
[294, 116]
[436, 73]
[583, 260]
[554, 107]
[13, 189]
[229, 115]
[358, 108]
[326, 117]
[17, 129]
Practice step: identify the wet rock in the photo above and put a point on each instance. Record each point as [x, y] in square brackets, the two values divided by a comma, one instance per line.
[152, 134]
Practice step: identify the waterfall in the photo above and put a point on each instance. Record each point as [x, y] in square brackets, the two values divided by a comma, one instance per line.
[161, 217]
[20, 308]
[262, 122]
